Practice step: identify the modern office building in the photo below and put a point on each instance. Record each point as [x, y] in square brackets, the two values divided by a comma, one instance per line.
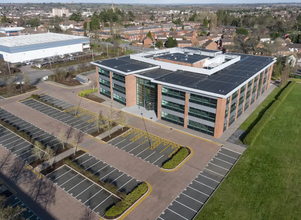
[38, 46]
[200, 89]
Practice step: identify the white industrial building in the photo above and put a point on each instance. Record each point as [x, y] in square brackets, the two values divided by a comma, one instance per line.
[38, 46]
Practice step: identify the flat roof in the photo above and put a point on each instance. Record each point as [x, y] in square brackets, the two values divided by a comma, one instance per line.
[33, 39]
[221, 82]
[124, 64]
[185, 58]
[154, 74]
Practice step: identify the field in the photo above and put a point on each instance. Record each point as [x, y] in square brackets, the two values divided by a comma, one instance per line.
[264, 183]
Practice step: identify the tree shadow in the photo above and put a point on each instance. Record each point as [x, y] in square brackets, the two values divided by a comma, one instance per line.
[5, 160]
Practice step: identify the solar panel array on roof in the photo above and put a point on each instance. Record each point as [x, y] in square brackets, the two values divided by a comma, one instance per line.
[185, 58]
[125, 64]
[223, 81]
[156, 73]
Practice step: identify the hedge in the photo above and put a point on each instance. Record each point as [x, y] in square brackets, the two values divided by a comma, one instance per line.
[252, 135]
[129, 200]
[177, 158]
[86, 92]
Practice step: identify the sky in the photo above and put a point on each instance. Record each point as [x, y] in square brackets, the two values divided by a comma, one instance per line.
[156, 1]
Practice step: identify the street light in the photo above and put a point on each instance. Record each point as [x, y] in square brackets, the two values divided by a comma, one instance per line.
[151, 139]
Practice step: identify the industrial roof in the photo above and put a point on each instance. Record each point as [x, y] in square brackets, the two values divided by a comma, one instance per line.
[156, 73]
[34, 39]
[185, 58]
[124, 64]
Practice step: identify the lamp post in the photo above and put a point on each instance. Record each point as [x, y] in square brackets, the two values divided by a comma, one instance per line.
[151, 139]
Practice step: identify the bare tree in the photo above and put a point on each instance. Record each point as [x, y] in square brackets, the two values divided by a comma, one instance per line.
[62, 138]
[26, 82]
[121, 119]
[93, 84]
[37, 152]
[76, 139]
[5, 160]
[49, 155]
[9, 212]
[11, 86]
[110, 121]
[99, 121]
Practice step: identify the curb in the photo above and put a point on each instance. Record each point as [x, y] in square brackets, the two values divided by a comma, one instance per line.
[182, 163]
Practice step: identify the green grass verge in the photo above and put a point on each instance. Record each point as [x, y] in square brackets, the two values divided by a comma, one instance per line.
[86, 92]
[264, 182]
[129, 200]
[177, 158]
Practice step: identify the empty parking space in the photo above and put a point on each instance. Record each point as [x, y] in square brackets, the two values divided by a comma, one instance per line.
[73, 117]
[13, 201]
[197, 193]
[87, 192]
[17, 145]
[150, 148]
[34, 132]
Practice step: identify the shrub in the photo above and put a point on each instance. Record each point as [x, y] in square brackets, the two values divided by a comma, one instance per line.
[86, 92]
[177, 158]
[129, 200]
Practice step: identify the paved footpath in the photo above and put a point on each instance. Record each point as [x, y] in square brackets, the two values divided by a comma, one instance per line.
[166, 186]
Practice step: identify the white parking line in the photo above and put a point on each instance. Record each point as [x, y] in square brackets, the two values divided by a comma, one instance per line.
[101, 169]
[86, 160]
[76, 185]
[117, 178]
[61, 175]
[120, 142]
[149, 155]
[211, 162]
[158, 159]
[203, 184]
[191, 198]
[209, 178]
[125, 145]
[198, 191]
[102, 202]
[93, 196]
[126, 183]
[92, 165]
[227, 155]
[134, 148]
[67, 181]
[141, 152]
[177, 214]
[222, 160]
[214, 172]
[108, 174]
[85, 190]
[185, 206]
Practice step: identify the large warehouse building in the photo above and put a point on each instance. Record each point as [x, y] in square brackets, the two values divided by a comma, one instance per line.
[38, 46]
[200, 89]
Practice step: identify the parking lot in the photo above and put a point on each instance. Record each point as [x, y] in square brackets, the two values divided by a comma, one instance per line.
[36, 133]
[87, 192]
[72, 116]
[145, 146]
[13, 201]
[197, 193]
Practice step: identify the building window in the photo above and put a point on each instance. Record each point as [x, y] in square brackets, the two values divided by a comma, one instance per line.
[173, 93]
[120, 99]
[250, 83]
[232, 119]
[233, 107]
[172, 118]
[200, 127]
[201, 100]
[105, 92]
[242, 89]
[201, 114]
[118, 77]
[104, 72]
[104, 82]
[119, 88]
[234, 95]
[173, 106]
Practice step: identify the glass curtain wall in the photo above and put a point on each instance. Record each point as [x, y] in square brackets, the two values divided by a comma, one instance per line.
[147, 94]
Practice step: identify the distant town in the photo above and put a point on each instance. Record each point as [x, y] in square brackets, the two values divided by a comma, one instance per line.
[150, 112]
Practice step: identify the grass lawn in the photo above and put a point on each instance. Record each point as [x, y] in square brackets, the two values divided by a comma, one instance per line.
[265, 182]
[260, 109]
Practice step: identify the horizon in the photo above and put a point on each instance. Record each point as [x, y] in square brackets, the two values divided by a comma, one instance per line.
[156, 2]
